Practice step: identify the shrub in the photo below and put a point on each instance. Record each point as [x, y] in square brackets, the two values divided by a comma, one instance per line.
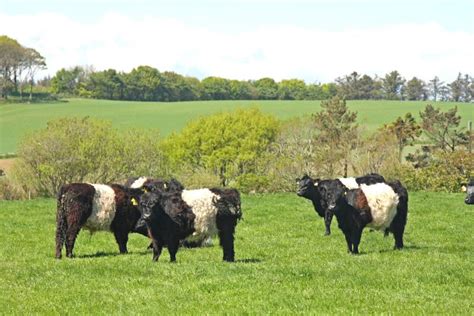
[252, 183]
[225, 144]
[85, 150]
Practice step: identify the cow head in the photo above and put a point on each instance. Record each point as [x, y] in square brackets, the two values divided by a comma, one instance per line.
[306, 186]
[332, 193]
[469, 189]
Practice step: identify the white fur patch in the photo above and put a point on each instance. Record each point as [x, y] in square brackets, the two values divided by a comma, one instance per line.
[349, 183]
[203, 207]
[137, 184]
[103, 209]
[383, 203]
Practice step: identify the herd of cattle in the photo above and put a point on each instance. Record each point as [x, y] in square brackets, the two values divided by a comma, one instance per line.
[171, 216]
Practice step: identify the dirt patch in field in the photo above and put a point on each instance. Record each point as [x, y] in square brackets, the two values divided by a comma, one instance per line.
[6, 164]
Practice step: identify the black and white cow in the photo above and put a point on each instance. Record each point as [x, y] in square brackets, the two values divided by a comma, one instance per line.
[307, 188]
[469, 189]
[95, 207]
[217, 211]
[380, 206]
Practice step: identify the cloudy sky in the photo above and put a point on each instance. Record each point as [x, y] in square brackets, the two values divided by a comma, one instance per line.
[316, 41]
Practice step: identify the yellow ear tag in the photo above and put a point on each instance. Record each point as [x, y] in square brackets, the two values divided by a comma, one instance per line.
[463, 188]
[165, 186]
[345, 192]
[134, 201]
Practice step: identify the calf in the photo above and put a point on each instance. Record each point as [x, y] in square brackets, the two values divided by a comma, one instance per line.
[380, 206]
[308, 188]
[469, 189]
[168, 219]
[96, 207]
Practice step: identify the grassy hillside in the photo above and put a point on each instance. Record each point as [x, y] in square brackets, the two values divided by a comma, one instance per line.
[284, 265]
[18, 119]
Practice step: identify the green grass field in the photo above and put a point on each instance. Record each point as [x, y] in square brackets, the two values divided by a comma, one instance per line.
[17, 119]
[284, 265]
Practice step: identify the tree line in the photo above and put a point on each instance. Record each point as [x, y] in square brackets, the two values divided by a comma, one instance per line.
[19, 65]
[146, 83]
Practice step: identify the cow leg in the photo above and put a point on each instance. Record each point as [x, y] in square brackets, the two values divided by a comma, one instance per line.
[356, 236]
[226, 228]
[327, 222]
[71, 235]
[348, 241]
[157, 248]
[122, 238]
[173, 245]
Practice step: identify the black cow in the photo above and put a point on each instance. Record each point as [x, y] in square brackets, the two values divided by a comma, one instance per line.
[168, 219]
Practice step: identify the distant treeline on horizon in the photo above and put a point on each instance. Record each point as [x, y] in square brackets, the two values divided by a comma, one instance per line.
[146, 83]
[20, 65]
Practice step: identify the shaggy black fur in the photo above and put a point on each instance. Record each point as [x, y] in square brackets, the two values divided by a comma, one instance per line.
[168, 219]
[74, 206]
[229, 211]
[308, 188]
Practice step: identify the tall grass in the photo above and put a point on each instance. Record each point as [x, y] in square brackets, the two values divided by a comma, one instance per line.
[284, 265]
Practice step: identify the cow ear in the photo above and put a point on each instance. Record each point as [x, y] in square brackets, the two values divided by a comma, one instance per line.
[463, 188]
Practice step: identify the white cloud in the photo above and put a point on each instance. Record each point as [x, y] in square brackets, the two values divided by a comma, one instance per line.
[284, 51]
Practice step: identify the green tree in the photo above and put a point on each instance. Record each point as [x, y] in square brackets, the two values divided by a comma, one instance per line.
[242, 90]
[434, 87]
[442, 128]
[292, 89]
[392, 86]
[215, 88]
[67, 81]
[406, 130]
[143, 83]
[416, 89]
[226, 144]
[267, 89]
[337, 133]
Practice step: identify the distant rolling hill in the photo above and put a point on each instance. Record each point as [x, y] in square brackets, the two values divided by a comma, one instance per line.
[18, 119]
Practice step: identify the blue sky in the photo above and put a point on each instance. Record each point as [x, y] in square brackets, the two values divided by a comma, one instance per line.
[315, 40]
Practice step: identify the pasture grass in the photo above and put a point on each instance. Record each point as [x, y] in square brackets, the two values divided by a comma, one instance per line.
[284, 265]
[17, 119]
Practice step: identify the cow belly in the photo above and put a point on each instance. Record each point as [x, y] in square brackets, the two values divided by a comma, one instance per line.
[103, 209]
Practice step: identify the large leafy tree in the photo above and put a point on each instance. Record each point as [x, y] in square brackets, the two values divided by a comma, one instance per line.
[143, 83]
[292, 89]
[17, 63]
[226, 144]
[442, 128]
[215, 88]
[337, 133]
[406, 130]
[267, 89]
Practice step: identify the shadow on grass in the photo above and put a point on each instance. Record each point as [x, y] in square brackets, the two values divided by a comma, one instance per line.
[100, 254]
[405, 248]
[249, 260]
